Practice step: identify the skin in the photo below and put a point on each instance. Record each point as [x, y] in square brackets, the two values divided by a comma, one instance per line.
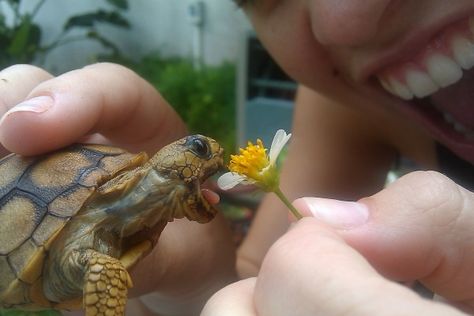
[339, 259]
[347, 133]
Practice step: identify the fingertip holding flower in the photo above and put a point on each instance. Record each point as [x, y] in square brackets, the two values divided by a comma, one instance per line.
[254, 166]
[338, 214]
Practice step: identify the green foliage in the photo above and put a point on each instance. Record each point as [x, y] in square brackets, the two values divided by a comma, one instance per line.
[92, 18]
[204, 98]
[120, 4]
[21, 39]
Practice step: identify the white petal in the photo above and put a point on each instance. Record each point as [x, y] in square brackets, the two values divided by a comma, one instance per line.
[279, 141]
[229, 180]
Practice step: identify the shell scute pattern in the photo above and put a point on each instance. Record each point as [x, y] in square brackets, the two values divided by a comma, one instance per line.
[11, 169]
[110, 165]
[6, 278]
[37, 197]
[68, 203]
[18, 294]
[46, 228]
[18, 226]
[21, 255]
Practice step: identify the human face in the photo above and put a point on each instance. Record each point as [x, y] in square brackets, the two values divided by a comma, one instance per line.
[413, 56]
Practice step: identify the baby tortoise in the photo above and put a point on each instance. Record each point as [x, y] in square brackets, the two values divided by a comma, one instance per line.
[72, 222]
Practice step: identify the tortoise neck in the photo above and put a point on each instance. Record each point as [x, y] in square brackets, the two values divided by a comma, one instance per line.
[142, 205]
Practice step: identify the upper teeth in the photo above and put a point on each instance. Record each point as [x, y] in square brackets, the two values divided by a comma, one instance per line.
[463, 50]
[437, 70]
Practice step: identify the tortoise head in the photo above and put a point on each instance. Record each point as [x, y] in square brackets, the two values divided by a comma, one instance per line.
[190, 161]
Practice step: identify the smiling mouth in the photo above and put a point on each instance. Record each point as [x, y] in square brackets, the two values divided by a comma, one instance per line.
[440, 78]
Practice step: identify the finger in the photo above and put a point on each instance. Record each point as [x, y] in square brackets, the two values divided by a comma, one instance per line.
[312, 271]
[190, 262]
[233, 300]
[17, 81]
[420, 227]
[104, 98]
[212, 197]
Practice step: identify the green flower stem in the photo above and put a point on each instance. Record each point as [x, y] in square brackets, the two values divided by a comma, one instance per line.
[288, 204]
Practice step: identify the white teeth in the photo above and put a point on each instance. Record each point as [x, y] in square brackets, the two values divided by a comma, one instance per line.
[433, 69]
[468, 134]
[397, 88]
[386, 86]
[420, 83]
[401, 90]
[443, 70]
[437, 70]
[463, 50]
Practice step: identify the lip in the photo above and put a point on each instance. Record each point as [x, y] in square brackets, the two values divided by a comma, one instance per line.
[425, 116]
[408, 46]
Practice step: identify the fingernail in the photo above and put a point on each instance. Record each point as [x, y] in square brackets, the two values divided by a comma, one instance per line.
[37, 105]
[338, 214]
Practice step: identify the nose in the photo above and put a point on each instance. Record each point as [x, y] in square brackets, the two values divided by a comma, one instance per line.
[346, 22]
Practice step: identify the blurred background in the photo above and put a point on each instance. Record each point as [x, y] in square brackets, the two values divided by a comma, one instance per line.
[200, 54]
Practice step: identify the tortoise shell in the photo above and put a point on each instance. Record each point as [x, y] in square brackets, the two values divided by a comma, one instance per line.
[48, 190]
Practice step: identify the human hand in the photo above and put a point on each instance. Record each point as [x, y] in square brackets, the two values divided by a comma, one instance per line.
[101, 103]
[109, 104]
[341, 257]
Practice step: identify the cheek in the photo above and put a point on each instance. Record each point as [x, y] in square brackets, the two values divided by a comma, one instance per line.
[290, 41]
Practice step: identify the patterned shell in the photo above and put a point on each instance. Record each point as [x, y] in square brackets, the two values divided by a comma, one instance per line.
[38, 195]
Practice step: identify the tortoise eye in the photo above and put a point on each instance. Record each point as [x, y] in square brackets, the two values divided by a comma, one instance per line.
[200, 147]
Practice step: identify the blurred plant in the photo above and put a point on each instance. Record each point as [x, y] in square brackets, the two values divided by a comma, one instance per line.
[204, 98]
[21, 39]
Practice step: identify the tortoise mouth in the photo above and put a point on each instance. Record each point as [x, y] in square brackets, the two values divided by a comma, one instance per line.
[201, 210]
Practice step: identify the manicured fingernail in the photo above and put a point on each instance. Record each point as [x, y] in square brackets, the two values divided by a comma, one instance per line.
[37, 105]
[338, 214]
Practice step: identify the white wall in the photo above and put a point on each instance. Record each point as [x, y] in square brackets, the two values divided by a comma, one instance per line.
[157, 25]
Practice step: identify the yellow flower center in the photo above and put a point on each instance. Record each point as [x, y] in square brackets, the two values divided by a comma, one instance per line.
[254, 164]
[251, 161]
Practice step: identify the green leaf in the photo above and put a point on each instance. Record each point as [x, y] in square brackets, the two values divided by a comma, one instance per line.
[14, 2]
[4, 29]
[121, 4]
[105, 42]
[25, 40]
[34, 39]
[100, 16]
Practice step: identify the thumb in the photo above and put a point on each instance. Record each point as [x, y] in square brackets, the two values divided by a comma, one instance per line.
[418, 228]
[312, 271]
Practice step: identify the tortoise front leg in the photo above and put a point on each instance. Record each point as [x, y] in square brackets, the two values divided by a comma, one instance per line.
[106, 283]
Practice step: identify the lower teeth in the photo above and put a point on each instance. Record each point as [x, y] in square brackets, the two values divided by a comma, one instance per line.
[428, 105]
